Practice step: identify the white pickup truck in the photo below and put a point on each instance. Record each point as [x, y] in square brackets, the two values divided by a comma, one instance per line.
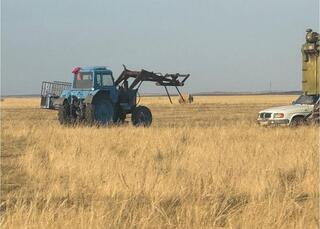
[294, 114]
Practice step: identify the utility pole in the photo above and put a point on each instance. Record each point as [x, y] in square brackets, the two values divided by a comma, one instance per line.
[270, 86]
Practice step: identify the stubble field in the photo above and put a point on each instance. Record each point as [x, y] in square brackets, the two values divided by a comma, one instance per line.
[204, 165]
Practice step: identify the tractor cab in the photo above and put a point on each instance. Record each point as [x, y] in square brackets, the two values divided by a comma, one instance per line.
[92, 78]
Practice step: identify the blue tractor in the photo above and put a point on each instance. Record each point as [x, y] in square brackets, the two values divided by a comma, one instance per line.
[96, 98]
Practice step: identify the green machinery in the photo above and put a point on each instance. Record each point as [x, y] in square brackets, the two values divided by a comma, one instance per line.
[310, 72]
[311, 64]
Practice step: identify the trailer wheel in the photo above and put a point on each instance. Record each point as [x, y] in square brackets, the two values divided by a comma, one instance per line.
[141, 116]
[297, 121]
[64, 114]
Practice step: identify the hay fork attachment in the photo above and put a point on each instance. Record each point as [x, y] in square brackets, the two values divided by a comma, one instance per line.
[176, 80]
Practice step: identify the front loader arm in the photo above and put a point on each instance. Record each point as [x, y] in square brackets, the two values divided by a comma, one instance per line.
[176, 80]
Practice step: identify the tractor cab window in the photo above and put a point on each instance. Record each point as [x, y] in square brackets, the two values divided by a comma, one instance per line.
[104, 79]
[83, 80]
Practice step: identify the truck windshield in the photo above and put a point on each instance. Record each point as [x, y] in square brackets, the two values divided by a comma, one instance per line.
[104, 79]
[307, 99]
[83, 80]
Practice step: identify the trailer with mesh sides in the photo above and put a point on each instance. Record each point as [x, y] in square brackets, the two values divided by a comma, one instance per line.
[51, 91]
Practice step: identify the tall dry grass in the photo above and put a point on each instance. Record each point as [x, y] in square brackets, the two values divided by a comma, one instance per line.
[205, 165]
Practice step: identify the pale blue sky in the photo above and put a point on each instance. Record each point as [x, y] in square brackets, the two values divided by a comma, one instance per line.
[234, 45]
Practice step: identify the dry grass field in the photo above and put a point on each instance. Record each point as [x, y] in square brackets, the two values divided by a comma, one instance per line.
[204, 165]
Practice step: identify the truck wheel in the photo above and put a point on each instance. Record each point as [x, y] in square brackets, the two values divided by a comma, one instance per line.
[64, 114]
[297, 121]
[141, 116]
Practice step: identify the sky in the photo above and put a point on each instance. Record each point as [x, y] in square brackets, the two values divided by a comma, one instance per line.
[234, 45]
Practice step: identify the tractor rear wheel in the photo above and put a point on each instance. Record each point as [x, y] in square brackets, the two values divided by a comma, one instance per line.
[64, 114]
[141, 116]
[99, 113]
[103, 112]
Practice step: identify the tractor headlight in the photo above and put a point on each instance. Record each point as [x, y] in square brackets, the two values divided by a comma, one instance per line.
[278, 115]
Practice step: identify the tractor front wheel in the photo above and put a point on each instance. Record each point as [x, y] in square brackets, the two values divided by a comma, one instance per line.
[141, 116]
